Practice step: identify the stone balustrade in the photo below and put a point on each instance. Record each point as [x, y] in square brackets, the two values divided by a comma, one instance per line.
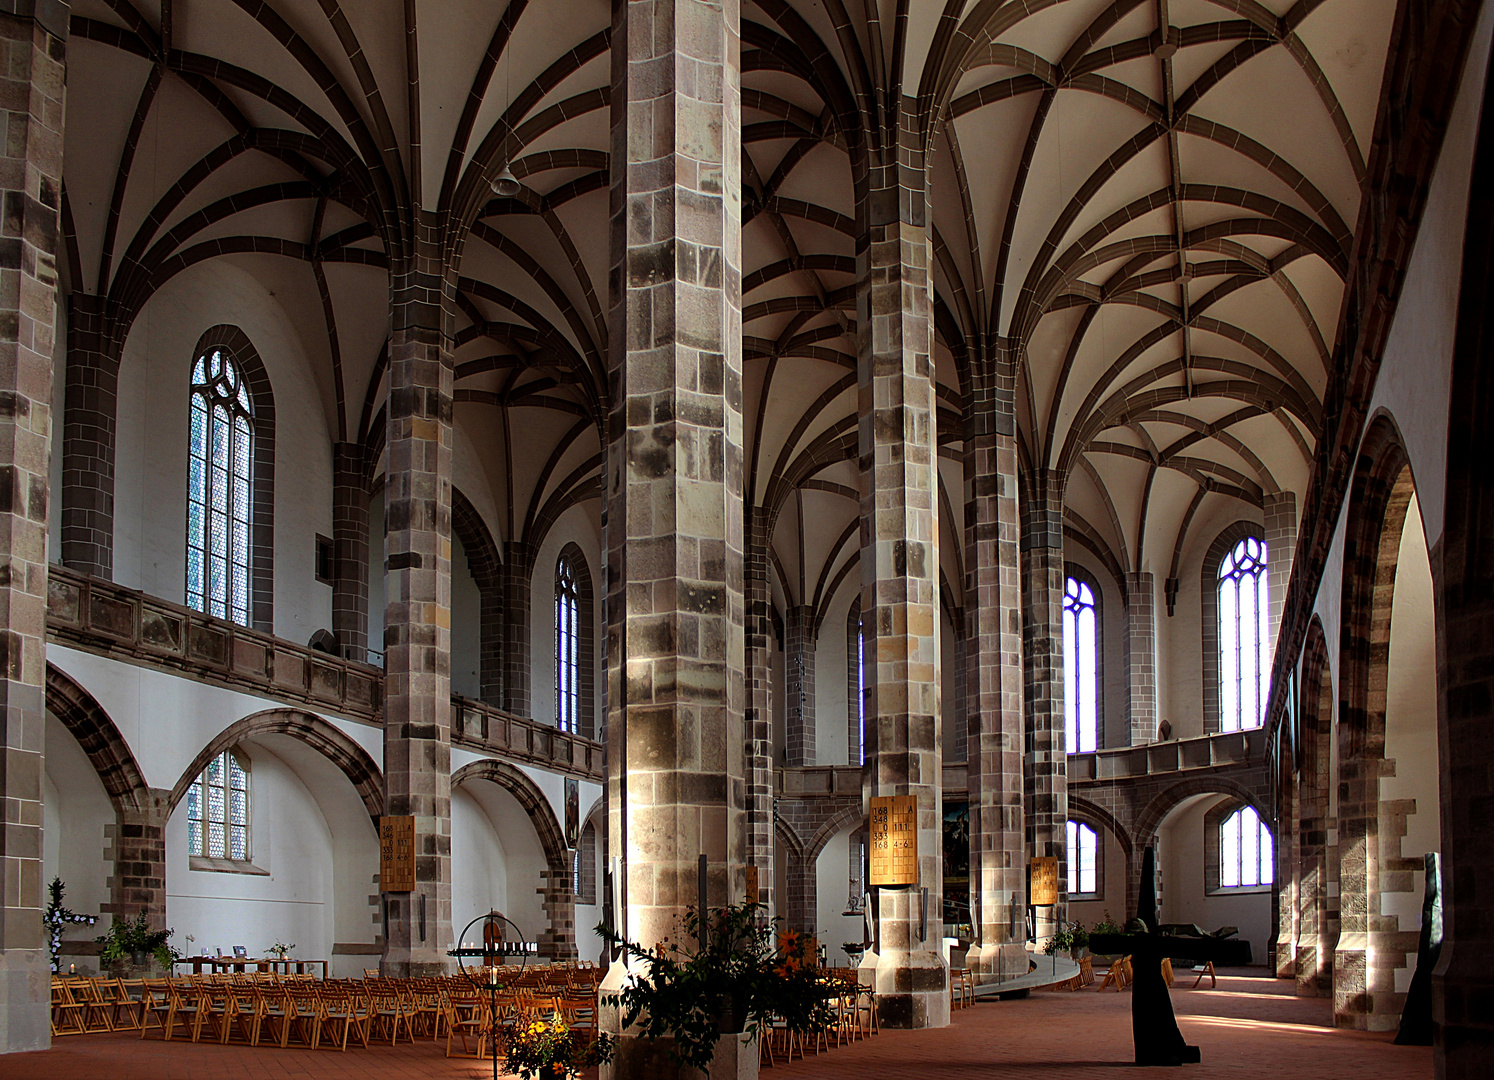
[101, 617]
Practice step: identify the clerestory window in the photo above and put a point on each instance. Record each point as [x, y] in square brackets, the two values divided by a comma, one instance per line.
[1246, 852]
[218, 809]
[1081, 668]
[1244, 657]
[1084, 848]
[567, 646]
[220, 489]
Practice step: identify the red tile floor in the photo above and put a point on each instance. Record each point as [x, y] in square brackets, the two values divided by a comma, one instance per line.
[1249, 1027]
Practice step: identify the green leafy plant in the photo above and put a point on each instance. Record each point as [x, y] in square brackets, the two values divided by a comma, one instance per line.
[545, 1044]
[128, 938]
[1059, 942]
[747, 973]
[1107, 925]
[56, 917]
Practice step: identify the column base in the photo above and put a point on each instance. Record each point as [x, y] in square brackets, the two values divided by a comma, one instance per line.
[912, 989]
[994, 963]
[416, 964]
[1314, 968]
[637, 1058]
[25, 1001]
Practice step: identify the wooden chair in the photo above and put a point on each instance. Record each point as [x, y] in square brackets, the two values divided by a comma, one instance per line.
[343, 1015]
[1118, 975]
[1167, 970]
[98, 1010]
[387, 1014]
[1206, 969]
[273, 1017]
[67, 1014]
[155, 1004]
[466, 1016]
[129, 1004]
[181, 1008]
[866, 1005]
[303, 1015]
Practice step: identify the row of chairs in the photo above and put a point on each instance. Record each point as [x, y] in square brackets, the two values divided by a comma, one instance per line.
[855, 1018]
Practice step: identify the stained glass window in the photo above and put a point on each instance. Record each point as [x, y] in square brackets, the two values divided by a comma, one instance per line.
[1081, 670]
[1244, 657]
[1245, 850]
[567, 647]
[1084, 848]
[219, 475]
[218, 809]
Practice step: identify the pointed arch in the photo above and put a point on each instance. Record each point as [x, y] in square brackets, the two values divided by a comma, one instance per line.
[100, 739]
[531, 798]
[332, 743]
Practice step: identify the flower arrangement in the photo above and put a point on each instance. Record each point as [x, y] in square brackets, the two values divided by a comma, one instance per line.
[57, 916]
[744, 974]
[280, 950]
[550, 1048]
[130, 940]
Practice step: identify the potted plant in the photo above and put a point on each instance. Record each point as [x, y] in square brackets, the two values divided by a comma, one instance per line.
[1059, 942]
[1078, 940]
[732, 980]
[280, 950]
[548, 1049]
[132, 944]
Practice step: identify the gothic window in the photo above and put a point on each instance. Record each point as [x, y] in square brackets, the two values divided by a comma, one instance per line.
[567, 647]
[220, 489]
[218, 809]
[1081, 669]
[1244, 659]
[858, 670]
[585, 866]
[1245, 850]
[1084, 845]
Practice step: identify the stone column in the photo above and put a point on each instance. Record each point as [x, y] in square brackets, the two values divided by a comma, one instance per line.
[417, 635]
[1046, 766]
[350, 544]
[137, 849]
[31, 178]
[798, 665]
[900, 565]
[518, 569]
[558, 941]
[90, 405]
[993, 674]
[1281, 547]
[1141, 657]
[760, 839]
[676, 695]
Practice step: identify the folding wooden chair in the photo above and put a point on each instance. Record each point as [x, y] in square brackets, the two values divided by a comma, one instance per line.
[1206, 969]
[67, 1014]
[387, 1014]
[129, 1004]
[466, 1016]
[303, 1015]
[98, 1012]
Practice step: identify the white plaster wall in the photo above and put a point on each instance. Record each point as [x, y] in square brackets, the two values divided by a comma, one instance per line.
[831, 705]
[577, 525]
[166, 719]
[1181, 857]
[151, 464]
[1411, 722]
[309, 857]
[832, 886]
[466, 626]
[75, 811]
[496, 858]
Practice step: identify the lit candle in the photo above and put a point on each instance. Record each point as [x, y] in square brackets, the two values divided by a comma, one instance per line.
[72, 969]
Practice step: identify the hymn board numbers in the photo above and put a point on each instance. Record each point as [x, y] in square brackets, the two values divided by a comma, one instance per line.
[894, 840]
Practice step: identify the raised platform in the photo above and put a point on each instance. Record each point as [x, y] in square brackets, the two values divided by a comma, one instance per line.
[1050, 971]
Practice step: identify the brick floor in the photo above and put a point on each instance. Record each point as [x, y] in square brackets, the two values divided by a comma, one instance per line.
[1250, 1027]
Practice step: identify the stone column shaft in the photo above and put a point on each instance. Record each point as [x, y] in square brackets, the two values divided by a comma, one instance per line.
[137, 849]
[676, 695]
[89, 421]
[31, 110]
[417, 634]
[518, 654]
[760, 838]
[350, 544]
[1141, 657]
[900, 565]
[1046, 766]
[558, 941]
[798, 661]
[993, 676]
[1281, 547]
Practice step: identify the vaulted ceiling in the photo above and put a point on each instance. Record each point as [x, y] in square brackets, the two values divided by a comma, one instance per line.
[1149, 203]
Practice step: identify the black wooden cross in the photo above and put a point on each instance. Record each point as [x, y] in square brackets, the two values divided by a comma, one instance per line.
[1154, 1028]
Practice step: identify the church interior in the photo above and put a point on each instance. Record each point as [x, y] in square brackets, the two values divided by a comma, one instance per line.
[585, 459]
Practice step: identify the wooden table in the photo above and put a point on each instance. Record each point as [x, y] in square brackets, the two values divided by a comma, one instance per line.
[241, 964]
